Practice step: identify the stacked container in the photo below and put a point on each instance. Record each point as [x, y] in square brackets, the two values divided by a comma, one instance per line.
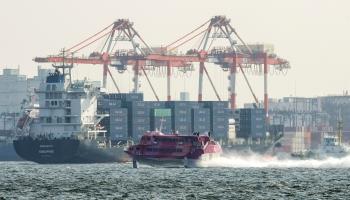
[118, 119]
[181, 116]
[161, 120]
[219, 116]
[139, 118]
[251, 123]
[200, 119]
[126, 96]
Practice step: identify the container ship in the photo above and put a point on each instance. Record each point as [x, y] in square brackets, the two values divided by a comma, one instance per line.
[66, 127]
[156, 148]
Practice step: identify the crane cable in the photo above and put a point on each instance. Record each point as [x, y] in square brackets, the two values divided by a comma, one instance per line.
[187, 34]
[250, 87]
[89, 38]
[150, 84]
[188, 39]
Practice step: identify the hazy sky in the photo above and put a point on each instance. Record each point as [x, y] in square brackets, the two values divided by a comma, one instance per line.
[312, 35]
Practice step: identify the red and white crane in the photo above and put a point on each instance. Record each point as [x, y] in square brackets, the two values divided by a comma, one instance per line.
[232, 57]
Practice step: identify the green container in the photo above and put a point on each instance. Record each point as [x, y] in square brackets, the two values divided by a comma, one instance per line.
[161, 112]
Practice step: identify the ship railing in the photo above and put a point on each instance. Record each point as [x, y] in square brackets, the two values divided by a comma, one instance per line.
[94, 134]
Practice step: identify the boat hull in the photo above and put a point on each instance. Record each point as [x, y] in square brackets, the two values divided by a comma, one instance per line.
[8, 153]
[201, 161]
[51, 151]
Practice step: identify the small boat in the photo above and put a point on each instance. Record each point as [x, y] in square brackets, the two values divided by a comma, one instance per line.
[332, 147]
[174, 150]
[332, 144]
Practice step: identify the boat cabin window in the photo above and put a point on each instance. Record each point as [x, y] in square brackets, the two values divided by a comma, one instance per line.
[48, 87]
[164, 150]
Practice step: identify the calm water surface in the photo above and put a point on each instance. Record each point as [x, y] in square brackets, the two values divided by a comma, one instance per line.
[26, 180]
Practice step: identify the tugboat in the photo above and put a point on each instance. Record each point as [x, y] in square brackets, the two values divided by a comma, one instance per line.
[174, 150]
[67, 127]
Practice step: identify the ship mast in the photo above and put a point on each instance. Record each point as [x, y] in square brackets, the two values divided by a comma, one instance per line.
[66, 69]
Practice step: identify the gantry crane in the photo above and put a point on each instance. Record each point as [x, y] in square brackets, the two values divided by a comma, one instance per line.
[230, 58]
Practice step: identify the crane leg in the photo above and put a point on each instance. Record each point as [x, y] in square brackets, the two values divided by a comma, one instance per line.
[104, 80]
[136, 77]
[266, 97]
[233, 72]
[200, 84]
[168, 81]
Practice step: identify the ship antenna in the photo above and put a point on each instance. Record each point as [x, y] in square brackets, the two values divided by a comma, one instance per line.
[64, 67]
[161, 124]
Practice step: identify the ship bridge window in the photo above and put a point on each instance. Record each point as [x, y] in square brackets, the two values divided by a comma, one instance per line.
[54, 103]
[67, 111]
[48, 87]
[67, 120]
[67, 103]
[59, 120]
[48, 120]
[53, 87]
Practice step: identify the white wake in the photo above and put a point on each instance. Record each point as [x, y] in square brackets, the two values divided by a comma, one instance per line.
[259, 161]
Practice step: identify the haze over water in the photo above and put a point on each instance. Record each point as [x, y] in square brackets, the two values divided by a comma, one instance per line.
[233, 177]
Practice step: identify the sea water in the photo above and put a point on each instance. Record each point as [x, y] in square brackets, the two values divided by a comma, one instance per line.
[230, 177]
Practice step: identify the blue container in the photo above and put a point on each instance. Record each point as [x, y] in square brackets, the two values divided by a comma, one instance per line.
[138, 130]
[215, 104]
[132, 96]
[184, 129]
[156, 104]
[251, 123]
[114, 103]
[118, 112]
[118, 131]
[163, 124]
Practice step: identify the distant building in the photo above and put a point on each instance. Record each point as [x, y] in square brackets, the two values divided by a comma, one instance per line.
[319, 114]
[16, 91]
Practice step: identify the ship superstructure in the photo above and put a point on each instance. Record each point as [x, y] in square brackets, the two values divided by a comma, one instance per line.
[66, 109]
[67, 128]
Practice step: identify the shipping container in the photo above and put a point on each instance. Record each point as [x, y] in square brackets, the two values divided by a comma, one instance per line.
[184, 129]
[162, 124]
[114, 103]
[161, 112]
[215, 104]
[118, 112]
[251, 123]
[156, 104]
[200, 120]
[137, 131]
[118, 115]
[132, 96]
[127, 96]
[118, 131]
